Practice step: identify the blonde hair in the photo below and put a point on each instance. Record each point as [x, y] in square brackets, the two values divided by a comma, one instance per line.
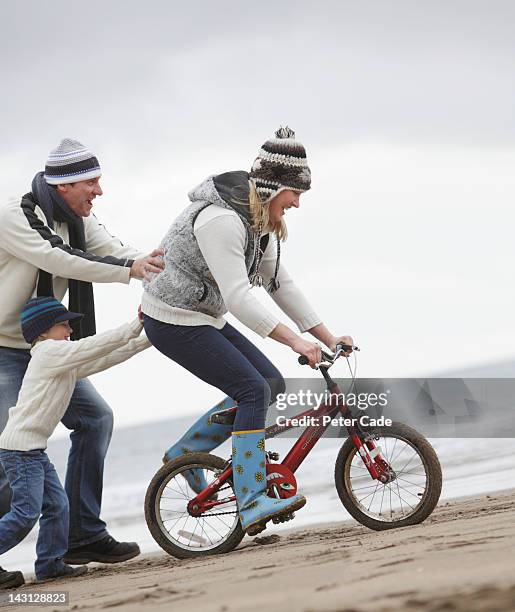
[260, 213]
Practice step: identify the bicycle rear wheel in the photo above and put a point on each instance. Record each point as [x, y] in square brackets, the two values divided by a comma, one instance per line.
[407, 500]
[177, 532]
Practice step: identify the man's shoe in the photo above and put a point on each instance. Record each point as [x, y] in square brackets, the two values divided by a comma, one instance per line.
[10, 580]
[107, 550]
[66, 572]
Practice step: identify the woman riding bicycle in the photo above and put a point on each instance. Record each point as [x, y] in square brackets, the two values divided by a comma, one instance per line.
[227, 240]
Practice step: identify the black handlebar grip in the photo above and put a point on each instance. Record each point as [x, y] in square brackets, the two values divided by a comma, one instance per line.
[303, 360]
[347, 347]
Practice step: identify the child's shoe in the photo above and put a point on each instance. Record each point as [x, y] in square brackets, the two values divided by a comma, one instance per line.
[10, 580]
[67, 571]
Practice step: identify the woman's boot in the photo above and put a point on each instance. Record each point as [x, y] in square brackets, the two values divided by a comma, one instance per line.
[255, 507]
[203, 436]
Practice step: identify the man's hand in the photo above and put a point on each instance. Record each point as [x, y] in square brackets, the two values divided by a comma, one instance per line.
[151, 264]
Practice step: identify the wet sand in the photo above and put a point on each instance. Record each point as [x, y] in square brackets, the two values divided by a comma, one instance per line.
[460, 559]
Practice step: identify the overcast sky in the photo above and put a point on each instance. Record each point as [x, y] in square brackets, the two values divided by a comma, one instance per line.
[406, 112]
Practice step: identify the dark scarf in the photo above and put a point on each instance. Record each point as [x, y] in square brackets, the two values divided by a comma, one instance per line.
[80, 292]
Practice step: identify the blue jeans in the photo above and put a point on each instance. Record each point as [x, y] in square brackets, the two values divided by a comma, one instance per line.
[36, 491]
[225, 359]
[91, 421]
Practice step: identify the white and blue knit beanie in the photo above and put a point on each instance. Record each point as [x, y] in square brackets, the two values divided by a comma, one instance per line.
[71, 162]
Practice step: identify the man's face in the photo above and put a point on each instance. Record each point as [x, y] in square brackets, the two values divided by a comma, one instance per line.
[79, 196]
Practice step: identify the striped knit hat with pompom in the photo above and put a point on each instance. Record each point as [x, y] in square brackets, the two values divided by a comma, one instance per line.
[281, 164]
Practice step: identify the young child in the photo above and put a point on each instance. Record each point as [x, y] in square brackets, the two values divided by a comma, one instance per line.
[47, 387]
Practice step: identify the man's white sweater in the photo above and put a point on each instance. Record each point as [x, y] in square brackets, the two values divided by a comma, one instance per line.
[28, 245]
[50, 379]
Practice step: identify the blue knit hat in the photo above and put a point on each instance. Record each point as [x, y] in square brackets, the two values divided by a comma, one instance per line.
[41, 313]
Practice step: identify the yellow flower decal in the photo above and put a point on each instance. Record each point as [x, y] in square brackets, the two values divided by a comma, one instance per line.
[259, 476]
[248, 454]
[244, 490]
[261, 444]
[239, 469]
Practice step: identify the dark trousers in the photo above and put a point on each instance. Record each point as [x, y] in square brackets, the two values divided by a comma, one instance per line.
[225, 359]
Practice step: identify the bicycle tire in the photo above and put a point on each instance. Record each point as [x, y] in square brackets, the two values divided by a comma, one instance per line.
[183, 463]
[432, 468]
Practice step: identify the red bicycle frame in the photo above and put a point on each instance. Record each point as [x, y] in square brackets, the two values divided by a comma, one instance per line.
[365, 445]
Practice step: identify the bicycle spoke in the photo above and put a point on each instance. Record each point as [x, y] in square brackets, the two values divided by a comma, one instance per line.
[395, 457]
[402, 509]
[180, 487]
[372, 500]
[177, 520]
[411, 483]
[400, 497]
[192, 534]
[168, 486]
[215, 529]
[367, 487]
[382, 499]
[204, 531]
[407, 491]
[407, 463]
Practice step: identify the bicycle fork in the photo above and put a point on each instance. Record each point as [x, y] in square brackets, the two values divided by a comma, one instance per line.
[371, 455]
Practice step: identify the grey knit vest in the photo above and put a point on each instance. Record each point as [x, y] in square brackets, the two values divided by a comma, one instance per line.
[186, 281]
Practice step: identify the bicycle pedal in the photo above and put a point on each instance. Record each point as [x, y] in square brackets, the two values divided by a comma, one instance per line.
[283, 518]
[272, 456]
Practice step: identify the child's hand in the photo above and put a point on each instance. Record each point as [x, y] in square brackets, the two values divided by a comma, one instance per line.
[140, 314]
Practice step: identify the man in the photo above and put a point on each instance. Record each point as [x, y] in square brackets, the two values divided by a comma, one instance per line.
[50, 242]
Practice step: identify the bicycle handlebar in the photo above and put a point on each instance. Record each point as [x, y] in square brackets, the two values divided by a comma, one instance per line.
[340, 348]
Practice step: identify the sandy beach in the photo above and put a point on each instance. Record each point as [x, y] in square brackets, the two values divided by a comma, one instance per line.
[461, 559]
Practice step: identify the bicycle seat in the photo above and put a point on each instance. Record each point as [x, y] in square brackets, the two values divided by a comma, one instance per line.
[224, 417]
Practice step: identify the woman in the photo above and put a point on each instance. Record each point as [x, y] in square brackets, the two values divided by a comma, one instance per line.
[220, 242]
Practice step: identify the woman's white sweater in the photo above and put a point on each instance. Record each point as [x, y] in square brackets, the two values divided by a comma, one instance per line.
[221, 238]
[50, 379]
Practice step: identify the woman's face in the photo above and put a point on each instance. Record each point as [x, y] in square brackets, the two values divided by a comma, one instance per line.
[281, 202]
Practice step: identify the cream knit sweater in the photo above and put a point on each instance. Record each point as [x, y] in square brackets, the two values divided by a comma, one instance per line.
[50, 379]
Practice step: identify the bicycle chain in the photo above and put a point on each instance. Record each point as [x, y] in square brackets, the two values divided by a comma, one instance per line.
[219, 513]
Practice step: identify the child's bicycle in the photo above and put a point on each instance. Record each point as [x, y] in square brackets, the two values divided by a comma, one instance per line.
[386, 477]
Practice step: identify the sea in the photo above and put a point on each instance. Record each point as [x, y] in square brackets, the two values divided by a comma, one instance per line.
[471, 466]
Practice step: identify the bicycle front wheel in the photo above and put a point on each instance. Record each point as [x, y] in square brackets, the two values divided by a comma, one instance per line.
[180, 534]
[409, 498]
